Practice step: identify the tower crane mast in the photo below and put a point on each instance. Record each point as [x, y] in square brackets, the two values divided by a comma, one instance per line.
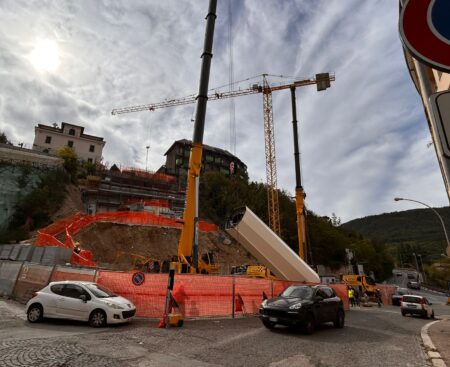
[321, 80]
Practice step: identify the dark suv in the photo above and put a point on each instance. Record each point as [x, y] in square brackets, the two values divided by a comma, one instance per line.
[305, 306]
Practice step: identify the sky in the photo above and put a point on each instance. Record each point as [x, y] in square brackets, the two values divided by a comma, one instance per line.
[363, 142]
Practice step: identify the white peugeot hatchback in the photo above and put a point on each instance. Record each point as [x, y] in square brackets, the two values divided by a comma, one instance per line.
[84, 301]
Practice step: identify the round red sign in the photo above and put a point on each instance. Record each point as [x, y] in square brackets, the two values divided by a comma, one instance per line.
[138, 278]
[425, 31]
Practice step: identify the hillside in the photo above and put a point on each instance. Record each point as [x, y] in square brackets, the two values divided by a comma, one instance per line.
[416, 230]
[114, 245]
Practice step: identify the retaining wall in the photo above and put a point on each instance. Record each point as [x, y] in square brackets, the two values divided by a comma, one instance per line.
[9, 272]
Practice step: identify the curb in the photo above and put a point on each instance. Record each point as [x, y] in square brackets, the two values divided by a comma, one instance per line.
[430, 349]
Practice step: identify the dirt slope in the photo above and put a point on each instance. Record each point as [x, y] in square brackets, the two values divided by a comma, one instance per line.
[113, 243]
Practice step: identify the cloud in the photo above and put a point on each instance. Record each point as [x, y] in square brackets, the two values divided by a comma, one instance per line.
[363, 141]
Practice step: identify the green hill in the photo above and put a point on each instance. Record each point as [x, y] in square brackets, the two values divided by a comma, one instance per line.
[418, 230]
[219, 196]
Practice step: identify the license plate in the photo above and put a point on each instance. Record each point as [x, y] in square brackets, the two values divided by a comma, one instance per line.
[410, 305]
[273, 319]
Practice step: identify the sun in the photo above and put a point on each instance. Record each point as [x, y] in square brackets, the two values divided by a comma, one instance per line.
[45, 56]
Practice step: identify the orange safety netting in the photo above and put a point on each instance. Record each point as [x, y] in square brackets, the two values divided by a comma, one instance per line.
[79, 257]
[386, 292]
[59, 275]
[45, 239]
[161, 203]
[75, 223]
[199, 295]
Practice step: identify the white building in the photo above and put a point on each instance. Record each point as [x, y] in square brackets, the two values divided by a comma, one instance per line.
[50, 139]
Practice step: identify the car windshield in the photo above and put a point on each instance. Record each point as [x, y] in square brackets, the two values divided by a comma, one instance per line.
[402, 291]
[302, 292]
[100, 291]
[411, 299]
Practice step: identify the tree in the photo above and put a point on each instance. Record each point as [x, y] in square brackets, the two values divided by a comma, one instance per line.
[68, 155]
[4, 138]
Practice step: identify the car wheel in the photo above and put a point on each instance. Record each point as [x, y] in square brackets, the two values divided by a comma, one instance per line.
[432, 315]
[97, 318]
[268, 324]
[403, 313]
[310, 326]
[340, 320]
[35, 313]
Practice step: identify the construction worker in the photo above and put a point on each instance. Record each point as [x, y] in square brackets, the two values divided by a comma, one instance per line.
[351, 296]
[378, 297]
[77, 248]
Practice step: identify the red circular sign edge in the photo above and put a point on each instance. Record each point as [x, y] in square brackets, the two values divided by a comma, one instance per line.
[136, 273]
[418, 37]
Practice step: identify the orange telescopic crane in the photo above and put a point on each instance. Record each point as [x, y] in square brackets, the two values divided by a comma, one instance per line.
[321, 80]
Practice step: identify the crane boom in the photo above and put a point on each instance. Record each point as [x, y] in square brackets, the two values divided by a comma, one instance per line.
[212, 96]
[321, 80]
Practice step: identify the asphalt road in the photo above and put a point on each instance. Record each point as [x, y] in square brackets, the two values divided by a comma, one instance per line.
[372, 337]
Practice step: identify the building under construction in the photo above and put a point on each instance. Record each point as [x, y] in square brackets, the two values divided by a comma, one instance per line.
[213, 159]
[161, 192]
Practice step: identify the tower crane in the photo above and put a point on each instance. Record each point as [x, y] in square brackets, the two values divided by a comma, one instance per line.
[321, 80]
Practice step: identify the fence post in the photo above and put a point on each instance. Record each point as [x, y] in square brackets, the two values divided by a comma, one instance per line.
[271, 286]
[233, 296]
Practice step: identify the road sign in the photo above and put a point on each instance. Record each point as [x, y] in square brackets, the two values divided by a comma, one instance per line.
[425, 31]
[440, 111]
[138, 278]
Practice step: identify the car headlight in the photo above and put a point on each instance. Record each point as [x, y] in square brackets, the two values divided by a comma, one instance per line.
[295, 306]
[264, 303]
[113, 305]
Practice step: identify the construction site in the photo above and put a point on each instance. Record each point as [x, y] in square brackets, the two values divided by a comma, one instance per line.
[121, 220]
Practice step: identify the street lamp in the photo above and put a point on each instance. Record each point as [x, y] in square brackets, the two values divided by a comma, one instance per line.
[440, 218]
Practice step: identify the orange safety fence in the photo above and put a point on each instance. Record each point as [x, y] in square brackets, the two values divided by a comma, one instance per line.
[386, 292]
[60, 226]
[45, 239]
[75, 223]
[250, 292]
[161, 203]
[65, 273]
[199, 295]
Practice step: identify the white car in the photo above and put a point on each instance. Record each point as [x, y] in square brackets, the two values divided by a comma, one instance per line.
[416, 305]
[84, 301]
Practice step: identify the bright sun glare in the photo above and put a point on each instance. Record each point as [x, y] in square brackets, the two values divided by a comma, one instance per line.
[45, 56]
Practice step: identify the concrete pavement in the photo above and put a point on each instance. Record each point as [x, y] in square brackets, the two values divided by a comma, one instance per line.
[436, 338]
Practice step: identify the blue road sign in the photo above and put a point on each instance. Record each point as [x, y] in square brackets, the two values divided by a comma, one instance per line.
[138, 278]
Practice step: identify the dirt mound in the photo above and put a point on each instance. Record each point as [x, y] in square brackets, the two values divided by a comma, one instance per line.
[117, 245]
[72, 203]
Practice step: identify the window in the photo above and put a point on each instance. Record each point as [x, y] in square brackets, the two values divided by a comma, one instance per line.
[329, 292]
[92, 148]
[321, 293]
[72, 132]
[48, 139]
[57, 288]
[90, 160]
[73, 291]
[70, 143]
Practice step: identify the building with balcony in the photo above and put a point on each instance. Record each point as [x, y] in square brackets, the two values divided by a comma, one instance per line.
[49, 139]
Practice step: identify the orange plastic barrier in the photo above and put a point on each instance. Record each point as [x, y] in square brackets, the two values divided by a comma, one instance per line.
[45, 239]
[198, 295]
[65, 273]
[341, 291]
[161, 203]
[386, 292]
